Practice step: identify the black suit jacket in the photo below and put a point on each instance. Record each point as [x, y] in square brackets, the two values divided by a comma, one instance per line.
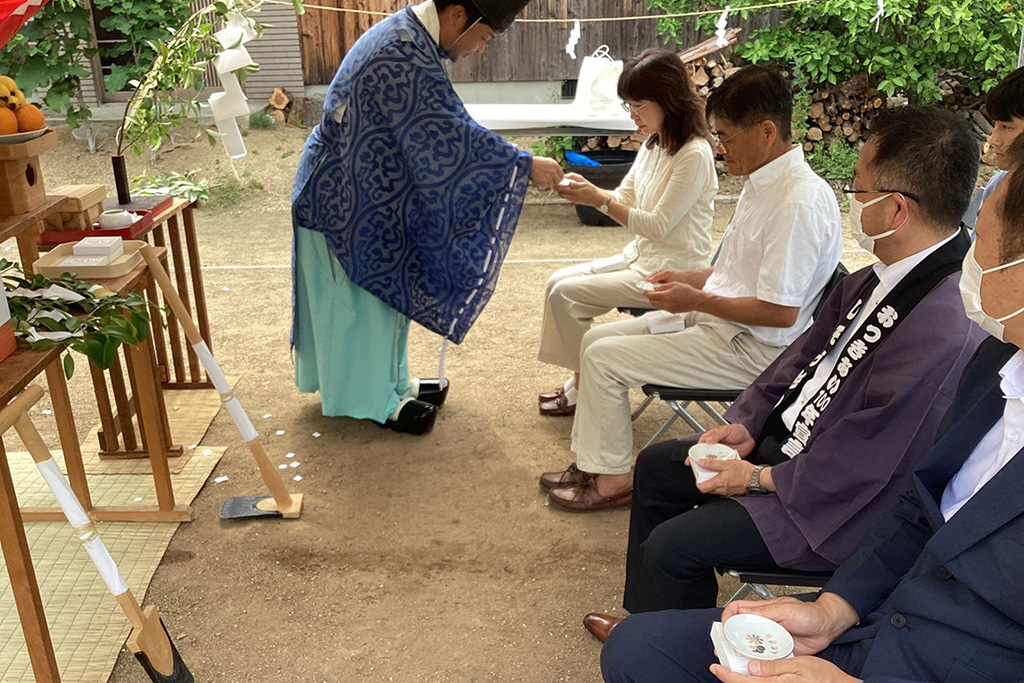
[944, 601]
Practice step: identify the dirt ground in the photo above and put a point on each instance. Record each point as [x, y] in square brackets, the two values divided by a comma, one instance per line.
[416, 558]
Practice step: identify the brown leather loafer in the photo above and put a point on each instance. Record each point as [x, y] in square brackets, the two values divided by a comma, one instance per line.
[570, 476]
[585, 498]
[601, 625]
[560, 407]
[550, 395]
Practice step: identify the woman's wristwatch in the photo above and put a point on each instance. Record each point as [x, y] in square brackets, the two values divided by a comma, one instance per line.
[606, 205]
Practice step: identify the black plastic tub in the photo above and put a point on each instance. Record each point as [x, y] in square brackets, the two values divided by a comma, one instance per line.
[615, 164]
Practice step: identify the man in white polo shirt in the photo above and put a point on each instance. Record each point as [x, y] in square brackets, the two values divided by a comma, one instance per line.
[777, 255]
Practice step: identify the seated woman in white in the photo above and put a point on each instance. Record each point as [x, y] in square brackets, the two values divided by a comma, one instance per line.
[666, 200]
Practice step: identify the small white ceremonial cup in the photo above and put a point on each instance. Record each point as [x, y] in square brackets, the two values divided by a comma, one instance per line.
[718, 451]
[116, 218]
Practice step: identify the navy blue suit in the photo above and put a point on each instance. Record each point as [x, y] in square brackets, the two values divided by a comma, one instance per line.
[943, 601]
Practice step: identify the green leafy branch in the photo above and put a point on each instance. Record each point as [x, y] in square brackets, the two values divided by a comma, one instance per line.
[98, 324]
[827, 42]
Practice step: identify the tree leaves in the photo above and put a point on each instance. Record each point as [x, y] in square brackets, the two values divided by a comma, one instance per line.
[828, 42]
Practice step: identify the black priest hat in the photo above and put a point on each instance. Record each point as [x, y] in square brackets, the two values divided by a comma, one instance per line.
[500, 14]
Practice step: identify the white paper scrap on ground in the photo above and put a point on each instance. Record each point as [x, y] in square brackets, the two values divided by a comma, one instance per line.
[294, 463]
[220, 480]
[721, 25]
[138, 500]
[316, 435]
[266, 416]
[47, 412]
[283, 466]
[289, 455]
[297, 477]
[280, 432]
[207, 451]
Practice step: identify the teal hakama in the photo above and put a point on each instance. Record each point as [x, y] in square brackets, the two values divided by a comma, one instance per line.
[349, 345]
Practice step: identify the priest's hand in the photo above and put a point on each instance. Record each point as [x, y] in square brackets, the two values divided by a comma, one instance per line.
[735, 436]
[676, 297]
[731, 480]
[581, 191]
[813, 625]
[796, 670]
[546, 172]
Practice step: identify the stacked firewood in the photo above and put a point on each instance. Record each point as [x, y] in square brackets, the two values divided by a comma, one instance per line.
[283, 107]
[845, 111]
[709, 72]
[627, 142]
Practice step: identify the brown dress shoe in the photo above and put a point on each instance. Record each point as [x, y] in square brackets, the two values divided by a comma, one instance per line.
[560, 407]
[550, 395]
[601, 625]
[571, 476]
[585, 498]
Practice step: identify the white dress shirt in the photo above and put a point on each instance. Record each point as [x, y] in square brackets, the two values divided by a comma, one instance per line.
[997, 448]
[888, 277]
[783, 243]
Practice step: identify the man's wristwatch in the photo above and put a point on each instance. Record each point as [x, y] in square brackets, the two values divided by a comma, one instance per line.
[606, 205]
[754, 485]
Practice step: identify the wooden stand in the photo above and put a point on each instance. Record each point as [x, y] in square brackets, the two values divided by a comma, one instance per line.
[21, 179]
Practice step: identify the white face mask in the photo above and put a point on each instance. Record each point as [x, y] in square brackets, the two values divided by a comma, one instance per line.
[970, 292]
[866, 241]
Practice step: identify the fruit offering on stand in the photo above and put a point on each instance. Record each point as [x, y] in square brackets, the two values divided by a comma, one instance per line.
[17, 115]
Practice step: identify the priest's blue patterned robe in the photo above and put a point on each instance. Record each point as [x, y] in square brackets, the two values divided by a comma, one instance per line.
[403, 207]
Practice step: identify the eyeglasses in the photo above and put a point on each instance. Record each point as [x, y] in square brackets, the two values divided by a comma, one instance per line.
[629, 107]
[908, 195]
[720, 142]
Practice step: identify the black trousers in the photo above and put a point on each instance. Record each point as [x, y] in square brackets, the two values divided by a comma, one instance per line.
[678, 535]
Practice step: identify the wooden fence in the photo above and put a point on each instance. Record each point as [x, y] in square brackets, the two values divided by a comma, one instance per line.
[526, 52]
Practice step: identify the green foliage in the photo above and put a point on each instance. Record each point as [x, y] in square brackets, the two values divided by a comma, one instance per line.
[52, 51]
[829, 41]
[225, 194]
[834, 161]
[554, 147]
[261, 119]
[142, 23]
[165, 97]
[97, 324]
[174, 184]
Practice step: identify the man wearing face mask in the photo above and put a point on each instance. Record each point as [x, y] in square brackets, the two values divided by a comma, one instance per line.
[830, 433]
[1005, 106]
[403, 208]
[933, 591]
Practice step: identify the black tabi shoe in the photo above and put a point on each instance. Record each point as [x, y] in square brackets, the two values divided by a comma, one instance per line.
[433, 391]
[416, 417]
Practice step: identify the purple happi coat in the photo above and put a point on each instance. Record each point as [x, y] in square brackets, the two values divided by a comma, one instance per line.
[862, 450]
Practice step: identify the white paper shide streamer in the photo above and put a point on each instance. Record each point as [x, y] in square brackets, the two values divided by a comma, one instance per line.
[879, 15]
[231, 103]
[574, 39]
[721, 25]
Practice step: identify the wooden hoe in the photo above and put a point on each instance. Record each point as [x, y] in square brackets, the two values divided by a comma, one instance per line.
[149, 639]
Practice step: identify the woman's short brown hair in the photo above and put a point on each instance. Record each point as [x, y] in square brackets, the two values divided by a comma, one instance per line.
[658, 75]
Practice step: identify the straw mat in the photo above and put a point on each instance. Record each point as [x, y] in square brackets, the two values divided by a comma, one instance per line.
[87, 627]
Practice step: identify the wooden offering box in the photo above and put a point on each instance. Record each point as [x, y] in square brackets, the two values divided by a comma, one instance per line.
[21, 180]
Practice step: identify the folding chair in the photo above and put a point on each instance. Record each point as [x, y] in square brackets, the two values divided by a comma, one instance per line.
[678, 399]
[758, 581]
